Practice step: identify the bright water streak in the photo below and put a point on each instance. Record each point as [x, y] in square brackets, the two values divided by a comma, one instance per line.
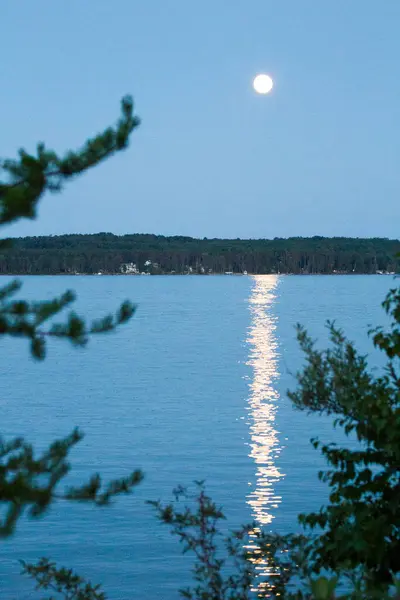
[264, 443]
[263, 359]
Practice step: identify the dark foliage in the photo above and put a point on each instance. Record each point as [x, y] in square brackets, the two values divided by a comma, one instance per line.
[61, 581]
[108, 253]
[250, 563]
[361, 524]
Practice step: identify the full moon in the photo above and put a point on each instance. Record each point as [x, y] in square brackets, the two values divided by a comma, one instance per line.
[263, 84]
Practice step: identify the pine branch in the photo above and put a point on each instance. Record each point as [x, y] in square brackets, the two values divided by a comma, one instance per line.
[28, 482]
[24, 319]
[30, 176]
[62, 581]
[31, 483]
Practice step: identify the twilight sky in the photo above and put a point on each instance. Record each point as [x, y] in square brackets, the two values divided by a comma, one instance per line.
[320, 155]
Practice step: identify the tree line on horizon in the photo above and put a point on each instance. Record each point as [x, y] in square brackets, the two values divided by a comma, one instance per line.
[158, 254]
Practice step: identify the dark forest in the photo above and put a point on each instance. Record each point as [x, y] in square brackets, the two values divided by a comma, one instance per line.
[143, 253]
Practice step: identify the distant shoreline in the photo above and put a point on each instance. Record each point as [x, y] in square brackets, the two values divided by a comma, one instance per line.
[146, 254]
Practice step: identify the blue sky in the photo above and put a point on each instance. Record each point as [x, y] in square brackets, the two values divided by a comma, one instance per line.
[318, 156]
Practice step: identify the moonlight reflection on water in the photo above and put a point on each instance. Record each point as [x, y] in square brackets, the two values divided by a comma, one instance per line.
[264, 444]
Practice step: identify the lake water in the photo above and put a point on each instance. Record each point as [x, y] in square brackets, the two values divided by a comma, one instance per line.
[192, 388]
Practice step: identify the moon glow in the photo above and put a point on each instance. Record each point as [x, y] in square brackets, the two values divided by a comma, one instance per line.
[263, 84]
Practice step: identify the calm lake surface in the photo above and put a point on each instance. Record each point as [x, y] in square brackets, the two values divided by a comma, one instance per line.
[194, 387]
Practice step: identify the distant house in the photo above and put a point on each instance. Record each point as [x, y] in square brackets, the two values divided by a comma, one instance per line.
[129, 269]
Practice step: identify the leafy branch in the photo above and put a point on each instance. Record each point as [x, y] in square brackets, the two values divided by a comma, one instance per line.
[62, 581]
[20, 318]
[30, 482]
[30, 176]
